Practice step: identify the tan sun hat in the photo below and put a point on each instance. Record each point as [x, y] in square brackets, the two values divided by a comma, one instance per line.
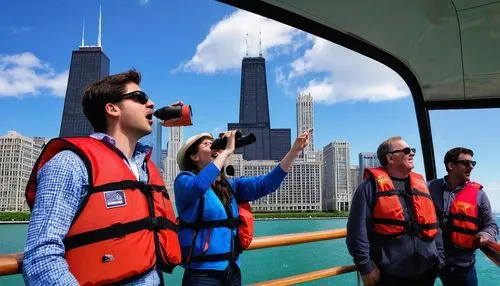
[182, 152]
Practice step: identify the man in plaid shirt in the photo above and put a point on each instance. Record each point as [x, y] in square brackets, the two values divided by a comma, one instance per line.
[121, 114]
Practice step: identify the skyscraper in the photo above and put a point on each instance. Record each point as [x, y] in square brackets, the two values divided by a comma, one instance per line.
[367, 160]
[18, 155]
[355, 180]
[88, 64]
[174, 143]
[300, 190]
[272, 144]
[305, 117]
[336, 176]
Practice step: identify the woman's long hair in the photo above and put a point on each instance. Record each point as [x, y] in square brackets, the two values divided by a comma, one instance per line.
[220, 185]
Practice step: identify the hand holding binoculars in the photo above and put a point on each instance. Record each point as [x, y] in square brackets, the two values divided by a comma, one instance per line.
[221, 142]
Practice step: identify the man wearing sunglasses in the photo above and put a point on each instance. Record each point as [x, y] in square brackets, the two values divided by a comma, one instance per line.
[465, 217]
[392, 230]
[100, 211]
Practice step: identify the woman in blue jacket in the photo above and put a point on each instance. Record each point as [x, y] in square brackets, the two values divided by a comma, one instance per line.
[207, 201]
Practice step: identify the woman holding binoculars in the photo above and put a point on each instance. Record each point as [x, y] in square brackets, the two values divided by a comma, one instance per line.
[207, 206]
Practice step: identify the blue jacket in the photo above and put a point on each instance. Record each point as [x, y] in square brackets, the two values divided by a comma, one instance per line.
[442, 197]
[189, 188]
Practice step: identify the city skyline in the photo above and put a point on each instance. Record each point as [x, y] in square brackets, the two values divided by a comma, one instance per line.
[356, 99]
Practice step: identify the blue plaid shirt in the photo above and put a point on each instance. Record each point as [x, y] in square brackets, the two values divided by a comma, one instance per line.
[62, 186]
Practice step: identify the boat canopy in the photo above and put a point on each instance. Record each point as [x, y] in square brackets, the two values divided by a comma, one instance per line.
[446, 51]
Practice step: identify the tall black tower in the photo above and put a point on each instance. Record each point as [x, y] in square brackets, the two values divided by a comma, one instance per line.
[272, 144]
[88, 64]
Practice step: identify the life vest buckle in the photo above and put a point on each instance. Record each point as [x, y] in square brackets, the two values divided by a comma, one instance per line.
[144, 188]
[157, 223]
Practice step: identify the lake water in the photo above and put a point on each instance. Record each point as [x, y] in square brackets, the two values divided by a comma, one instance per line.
[270, 263]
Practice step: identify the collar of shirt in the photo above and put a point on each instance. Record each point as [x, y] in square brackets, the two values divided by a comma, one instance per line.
[446, 187]
[140, 153]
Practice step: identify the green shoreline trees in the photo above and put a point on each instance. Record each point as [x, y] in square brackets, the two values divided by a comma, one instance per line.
[25, 216]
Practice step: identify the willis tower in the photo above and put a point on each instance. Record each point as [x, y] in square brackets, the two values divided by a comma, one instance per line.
[271, 144]
[88, 64]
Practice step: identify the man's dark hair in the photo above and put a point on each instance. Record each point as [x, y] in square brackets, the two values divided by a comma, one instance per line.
[452, 155]
[108, 90]
[384, 148]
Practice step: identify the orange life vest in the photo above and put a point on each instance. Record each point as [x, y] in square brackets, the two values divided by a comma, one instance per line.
[124, 228]
[388, 213]
[464, 216]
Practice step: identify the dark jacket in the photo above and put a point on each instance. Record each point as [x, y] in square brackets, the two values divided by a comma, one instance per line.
[407, 255]
[441, 194]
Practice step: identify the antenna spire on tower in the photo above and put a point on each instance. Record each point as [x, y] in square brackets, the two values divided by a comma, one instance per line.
[246, 45]
[99, 35]
[260, 44]
[83, 34]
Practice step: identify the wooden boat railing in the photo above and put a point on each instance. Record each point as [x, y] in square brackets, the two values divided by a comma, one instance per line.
[12, 263]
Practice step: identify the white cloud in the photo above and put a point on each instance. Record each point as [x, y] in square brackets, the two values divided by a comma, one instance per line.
[143, 2]
[18, 30]
[225, 45]
[331, 73]
[349, 76]
[22, 74]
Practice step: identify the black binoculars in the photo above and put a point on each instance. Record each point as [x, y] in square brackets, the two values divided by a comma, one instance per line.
[221, 143]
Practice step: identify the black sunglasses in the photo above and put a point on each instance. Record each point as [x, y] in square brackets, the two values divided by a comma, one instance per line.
[406, 151]
[137, 96]
[466, 163]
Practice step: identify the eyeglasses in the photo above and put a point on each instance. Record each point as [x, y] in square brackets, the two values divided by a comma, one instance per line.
[466, 163]
[137, 96]
[406, 151]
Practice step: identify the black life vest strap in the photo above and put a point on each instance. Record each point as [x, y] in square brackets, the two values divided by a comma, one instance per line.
[464, 217]
[227, 223]
[127, 184]
[463, 230]
[427, 226]
[396, 222]
[118, 230]
[390, 193]
[419, 193]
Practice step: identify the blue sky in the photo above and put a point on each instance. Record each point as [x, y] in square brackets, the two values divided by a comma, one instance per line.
[192, 51]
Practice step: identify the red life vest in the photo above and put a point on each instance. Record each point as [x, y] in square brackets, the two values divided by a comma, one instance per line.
[464, 216]
[388, 213]
[124, 228]
[246, 226]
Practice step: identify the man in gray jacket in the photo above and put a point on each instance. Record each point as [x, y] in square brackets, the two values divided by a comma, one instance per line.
[392, 230]
[465, 217]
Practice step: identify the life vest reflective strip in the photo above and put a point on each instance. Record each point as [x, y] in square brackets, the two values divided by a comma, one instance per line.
[388, 213]
[124, 228]
[464, 216]
[244, 223]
